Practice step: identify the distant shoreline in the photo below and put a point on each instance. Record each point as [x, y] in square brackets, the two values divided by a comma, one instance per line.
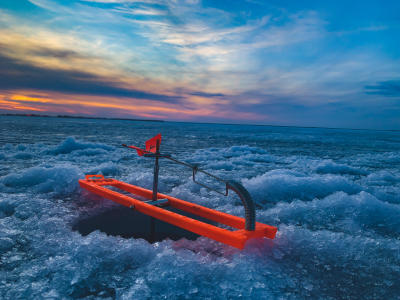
[155, 120]
[79, 117]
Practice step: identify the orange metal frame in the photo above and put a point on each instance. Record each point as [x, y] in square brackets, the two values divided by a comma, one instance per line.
[237, 238]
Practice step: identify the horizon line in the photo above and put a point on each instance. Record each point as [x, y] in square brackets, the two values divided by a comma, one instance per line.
[193, 122]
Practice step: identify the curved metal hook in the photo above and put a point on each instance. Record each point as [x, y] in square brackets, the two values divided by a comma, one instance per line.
[249, 209]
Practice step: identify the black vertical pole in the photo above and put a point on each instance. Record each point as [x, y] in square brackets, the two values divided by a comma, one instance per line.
[155, 191]
[156, 169]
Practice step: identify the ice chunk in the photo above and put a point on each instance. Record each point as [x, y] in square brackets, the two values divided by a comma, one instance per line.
[330, 167]
[60, 179]
[23, 155]
[6, 244]
[70, 144]
[286, 185]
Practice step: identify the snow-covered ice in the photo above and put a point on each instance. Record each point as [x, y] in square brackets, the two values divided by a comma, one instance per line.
[334, 195]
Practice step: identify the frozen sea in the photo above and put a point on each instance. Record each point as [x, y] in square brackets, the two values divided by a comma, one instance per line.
[333, 193]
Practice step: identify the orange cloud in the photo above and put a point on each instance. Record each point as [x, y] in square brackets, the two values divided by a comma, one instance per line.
[59, 102]
[112, 106]
[15, 106]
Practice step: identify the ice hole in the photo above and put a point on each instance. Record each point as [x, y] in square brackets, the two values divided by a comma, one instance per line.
[128, 223]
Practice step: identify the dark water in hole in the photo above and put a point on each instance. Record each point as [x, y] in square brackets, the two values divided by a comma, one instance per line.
[127, 223]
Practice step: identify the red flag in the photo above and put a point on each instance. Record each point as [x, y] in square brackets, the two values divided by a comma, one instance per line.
[151, 144]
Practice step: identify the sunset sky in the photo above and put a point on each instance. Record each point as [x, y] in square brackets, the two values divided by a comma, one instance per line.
[305, 63]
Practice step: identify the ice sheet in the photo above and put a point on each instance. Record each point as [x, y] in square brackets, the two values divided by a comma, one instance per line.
[334, 194]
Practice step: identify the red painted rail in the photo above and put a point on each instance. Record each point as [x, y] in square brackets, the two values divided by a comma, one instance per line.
[97, 184]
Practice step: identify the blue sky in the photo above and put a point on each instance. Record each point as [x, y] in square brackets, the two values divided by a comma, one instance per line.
[304, 63]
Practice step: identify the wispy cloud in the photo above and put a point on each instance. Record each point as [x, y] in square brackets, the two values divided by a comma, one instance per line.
[123, 1]
[390, 88]
[17, 75]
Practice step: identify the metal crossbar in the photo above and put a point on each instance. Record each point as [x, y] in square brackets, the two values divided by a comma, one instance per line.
[195, 170]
